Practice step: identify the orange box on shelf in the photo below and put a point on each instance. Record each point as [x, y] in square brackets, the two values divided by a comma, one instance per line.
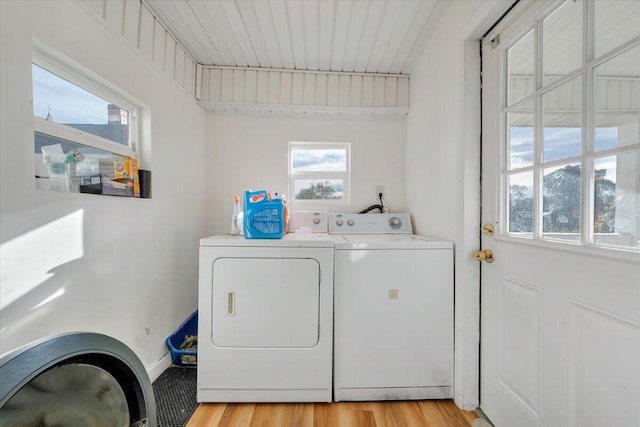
[127, 168]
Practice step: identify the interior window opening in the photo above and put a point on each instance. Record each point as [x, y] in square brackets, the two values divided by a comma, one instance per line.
[85, 134]
[319, 172]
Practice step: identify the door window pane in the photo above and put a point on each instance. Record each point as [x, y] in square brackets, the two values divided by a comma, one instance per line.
[520, 67]
[616, 22]
[606, 136]
[521, 203]
[617, 101]
[561, 202]
[562, 135]
[567, 110]
[521, 136]
[562, 41]
[616, 213]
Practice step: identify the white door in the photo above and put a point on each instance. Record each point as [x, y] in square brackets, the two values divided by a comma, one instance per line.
[560, 322]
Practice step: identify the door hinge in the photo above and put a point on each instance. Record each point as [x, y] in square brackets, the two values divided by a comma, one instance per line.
[494, 42]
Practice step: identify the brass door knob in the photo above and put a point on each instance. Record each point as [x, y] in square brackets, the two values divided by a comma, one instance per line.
[488, 229]
[486, 255]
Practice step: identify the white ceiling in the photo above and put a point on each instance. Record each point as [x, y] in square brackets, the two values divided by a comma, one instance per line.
[373, 36]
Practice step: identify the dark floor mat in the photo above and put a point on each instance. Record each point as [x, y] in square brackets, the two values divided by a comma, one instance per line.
[175, 391]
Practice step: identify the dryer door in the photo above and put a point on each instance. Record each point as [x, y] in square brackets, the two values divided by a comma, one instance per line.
[265, 302]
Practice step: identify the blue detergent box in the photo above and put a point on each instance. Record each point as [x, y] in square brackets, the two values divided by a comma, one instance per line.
[179, 357]
[263, 218]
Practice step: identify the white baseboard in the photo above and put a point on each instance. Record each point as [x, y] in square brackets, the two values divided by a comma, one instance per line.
[159, 367]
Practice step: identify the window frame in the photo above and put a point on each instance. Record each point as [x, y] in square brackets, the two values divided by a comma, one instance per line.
[345, 176]
[60, 65]
[588, 155]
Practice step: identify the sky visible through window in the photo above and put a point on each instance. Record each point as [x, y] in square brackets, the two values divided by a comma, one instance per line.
[312, 160]
[560, 143]
[319, 171]
[68, 102]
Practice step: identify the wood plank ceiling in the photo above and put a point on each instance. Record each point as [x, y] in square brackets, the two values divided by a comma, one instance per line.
[368, 36]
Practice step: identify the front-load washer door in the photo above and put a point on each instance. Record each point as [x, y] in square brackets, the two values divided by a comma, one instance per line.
[265, 302]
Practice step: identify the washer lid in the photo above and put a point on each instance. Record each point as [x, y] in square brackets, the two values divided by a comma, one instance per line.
[392, 241]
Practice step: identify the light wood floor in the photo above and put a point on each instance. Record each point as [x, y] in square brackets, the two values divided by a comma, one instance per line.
[424, 413]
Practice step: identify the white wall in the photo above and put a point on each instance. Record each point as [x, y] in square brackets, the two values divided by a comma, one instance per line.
[250, 152]
[443, 166]
[123, 267]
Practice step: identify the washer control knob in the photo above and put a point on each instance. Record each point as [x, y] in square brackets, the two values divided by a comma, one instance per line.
[339, 222]
[395, 222]
[350, 222]
[316, 221]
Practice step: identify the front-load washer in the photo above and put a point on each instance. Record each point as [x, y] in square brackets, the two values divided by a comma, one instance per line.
[393, 310]
[265, 319]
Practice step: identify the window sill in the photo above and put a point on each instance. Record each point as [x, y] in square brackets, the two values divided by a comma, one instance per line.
[98, 189]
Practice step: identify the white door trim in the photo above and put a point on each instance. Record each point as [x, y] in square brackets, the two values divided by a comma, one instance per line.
[467, 271]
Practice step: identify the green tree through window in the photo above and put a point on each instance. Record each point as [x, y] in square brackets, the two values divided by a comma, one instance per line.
[561, 203]
[320, 190]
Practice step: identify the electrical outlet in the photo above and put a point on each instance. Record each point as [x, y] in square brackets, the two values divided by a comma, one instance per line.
[379, 189]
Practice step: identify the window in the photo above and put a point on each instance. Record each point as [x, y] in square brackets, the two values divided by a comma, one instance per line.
[319, 172]
[572, 127]
[83, 128]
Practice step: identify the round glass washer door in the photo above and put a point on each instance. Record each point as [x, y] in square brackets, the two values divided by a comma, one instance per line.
[73, 394]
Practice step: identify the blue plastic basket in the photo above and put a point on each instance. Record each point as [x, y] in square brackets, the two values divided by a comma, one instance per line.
[184, 357]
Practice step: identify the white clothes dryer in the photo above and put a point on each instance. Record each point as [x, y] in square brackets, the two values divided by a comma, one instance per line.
[265, 319]
[393, 310]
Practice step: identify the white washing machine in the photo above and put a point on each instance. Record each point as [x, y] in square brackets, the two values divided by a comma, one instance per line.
[393, 310]
[265, 324]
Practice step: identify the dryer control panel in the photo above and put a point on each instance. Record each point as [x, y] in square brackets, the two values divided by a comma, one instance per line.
[396, 223]
[315, 221]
